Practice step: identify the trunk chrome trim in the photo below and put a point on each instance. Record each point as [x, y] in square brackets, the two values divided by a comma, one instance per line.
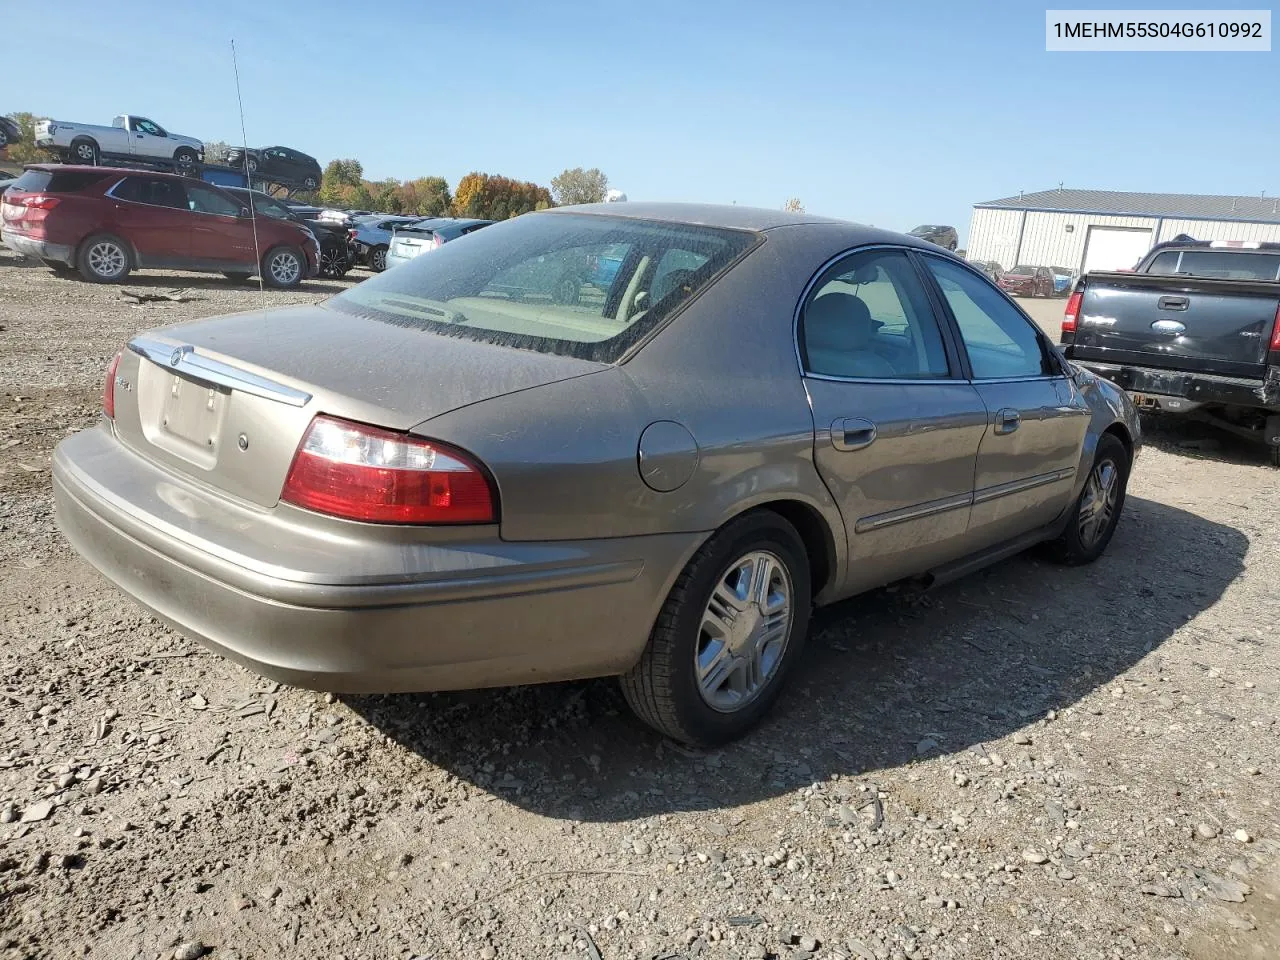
[1018, 486]
[184, 360]
[916, 512]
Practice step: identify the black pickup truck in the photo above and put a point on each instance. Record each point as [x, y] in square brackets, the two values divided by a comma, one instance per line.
[1193, 330]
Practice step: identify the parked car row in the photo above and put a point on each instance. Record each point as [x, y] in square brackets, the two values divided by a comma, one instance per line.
[382, 241]
[104, 222]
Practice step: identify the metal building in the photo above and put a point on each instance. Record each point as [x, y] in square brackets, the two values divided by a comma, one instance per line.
[1107, 230]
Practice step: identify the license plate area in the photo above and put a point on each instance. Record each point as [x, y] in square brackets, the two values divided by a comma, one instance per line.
[1145, 401]
[191, 419]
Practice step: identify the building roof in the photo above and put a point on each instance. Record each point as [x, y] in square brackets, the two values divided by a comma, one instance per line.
[1114, 202]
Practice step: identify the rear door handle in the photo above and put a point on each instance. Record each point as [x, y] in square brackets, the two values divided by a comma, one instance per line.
[1173, 303]
[853, 434]
[1008, 420]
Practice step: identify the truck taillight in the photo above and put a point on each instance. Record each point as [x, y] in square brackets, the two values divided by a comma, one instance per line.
[1275, 332]
[359, 472]
[109, 389]
[1072, 313]
[39, 202]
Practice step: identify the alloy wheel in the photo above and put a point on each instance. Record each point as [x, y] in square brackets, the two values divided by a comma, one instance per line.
[744, 631]
[106, 259]
[1098, 502]
[284, 268]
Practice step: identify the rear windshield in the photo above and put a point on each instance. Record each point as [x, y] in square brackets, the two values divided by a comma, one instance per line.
[572, 284]
[49, 181]
[1219, 264]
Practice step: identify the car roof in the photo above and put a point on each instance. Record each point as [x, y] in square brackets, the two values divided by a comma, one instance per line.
[108, 171]
[701, 214]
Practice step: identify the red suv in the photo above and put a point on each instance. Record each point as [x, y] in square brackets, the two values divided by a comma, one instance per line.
[106, 222]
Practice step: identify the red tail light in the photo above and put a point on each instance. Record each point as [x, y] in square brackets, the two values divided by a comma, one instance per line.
[40, 202]
[439, 240]
[358, 472]
[109, 389]
[1072, 313]
[1275, 332]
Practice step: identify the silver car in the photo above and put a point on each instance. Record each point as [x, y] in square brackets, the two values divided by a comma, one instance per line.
[414, 239]
[372, 236]
[450, 476]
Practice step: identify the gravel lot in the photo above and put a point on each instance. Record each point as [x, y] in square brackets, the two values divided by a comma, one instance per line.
[1033, 762]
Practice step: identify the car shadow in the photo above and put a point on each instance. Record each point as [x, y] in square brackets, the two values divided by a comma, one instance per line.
[886, 679]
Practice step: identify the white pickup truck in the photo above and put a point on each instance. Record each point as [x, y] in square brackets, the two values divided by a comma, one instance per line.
[128, 138]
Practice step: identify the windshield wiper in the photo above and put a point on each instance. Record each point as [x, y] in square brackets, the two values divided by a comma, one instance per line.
[431, 309]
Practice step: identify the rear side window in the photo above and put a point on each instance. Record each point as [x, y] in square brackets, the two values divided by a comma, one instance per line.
[531, 283]
[1217, 264]
[45, 181]
[153, 191]
[205, 200]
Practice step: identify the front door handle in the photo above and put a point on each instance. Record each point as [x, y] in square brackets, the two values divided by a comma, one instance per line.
[853, 434]
[1007, 420]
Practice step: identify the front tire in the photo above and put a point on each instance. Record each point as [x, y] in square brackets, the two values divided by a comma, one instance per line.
[104, 259]
[310, 183]
[334, 262]
[284, 268]
[378, 258]
[727, 636]
[185, 158]
[1097, 510]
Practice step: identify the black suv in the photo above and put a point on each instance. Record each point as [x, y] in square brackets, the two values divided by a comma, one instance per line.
[282, 165]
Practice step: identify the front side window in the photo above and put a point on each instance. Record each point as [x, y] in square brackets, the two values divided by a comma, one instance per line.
[528, 283]
[869, 317]
[153, 191]
[204, 200]
[1000, 341]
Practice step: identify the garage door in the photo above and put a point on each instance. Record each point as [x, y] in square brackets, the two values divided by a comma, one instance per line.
[1115, 248]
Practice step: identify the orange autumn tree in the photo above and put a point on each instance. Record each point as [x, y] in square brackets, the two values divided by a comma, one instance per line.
[492, 197]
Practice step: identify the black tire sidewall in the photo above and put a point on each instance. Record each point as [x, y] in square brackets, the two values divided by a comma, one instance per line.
[75, 152]
[760, 532]
[1074, 551]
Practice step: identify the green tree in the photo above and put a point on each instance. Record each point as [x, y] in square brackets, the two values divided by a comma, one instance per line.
[793, 206]
[339, 177]
[426, 196]
[580, 186]
[25, 150]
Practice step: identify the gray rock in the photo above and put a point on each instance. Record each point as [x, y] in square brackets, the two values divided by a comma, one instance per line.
[1222, 888]
[190, 950]
[859, 949]
[37, 811]
[9, 813]
[641, 848]
[1206, 831]
[1160, 889]
[809, 944]
[1035, 856]
[488, 952]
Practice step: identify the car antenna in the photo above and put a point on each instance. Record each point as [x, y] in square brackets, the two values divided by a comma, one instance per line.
[244, 143]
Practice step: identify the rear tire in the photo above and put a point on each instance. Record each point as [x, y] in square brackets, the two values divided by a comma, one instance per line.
[1275, 456]
[1087, 535]
[310, 183]
[104, 258]
[692, 683]
[334, 262]
[185, 158]
[84, 151]
[378, 258]
[284, 268]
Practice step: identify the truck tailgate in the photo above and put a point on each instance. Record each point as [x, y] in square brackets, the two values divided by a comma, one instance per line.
[1175, 322]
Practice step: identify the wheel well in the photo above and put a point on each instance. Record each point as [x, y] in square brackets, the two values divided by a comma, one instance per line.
[1121, 433]
[85, 138]
[815, 534]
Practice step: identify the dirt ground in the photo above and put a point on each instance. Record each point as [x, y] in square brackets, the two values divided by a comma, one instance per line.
[1032, 762]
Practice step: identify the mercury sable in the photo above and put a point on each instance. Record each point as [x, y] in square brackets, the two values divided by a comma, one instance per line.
[449, 477]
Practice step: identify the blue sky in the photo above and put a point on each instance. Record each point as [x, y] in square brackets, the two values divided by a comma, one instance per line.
[891, 113]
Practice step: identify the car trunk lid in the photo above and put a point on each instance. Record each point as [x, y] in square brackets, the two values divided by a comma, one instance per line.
[226, 401]
[1182, 323]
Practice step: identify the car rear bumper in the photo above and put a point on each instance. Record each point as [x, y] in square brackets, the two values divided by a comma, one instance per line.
[40, 249]
[459, 615]
[1174, 391]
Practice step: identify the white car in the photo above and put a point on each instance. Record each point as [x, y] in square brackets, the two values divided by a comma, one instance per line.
[128, 138]
[424, 236]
